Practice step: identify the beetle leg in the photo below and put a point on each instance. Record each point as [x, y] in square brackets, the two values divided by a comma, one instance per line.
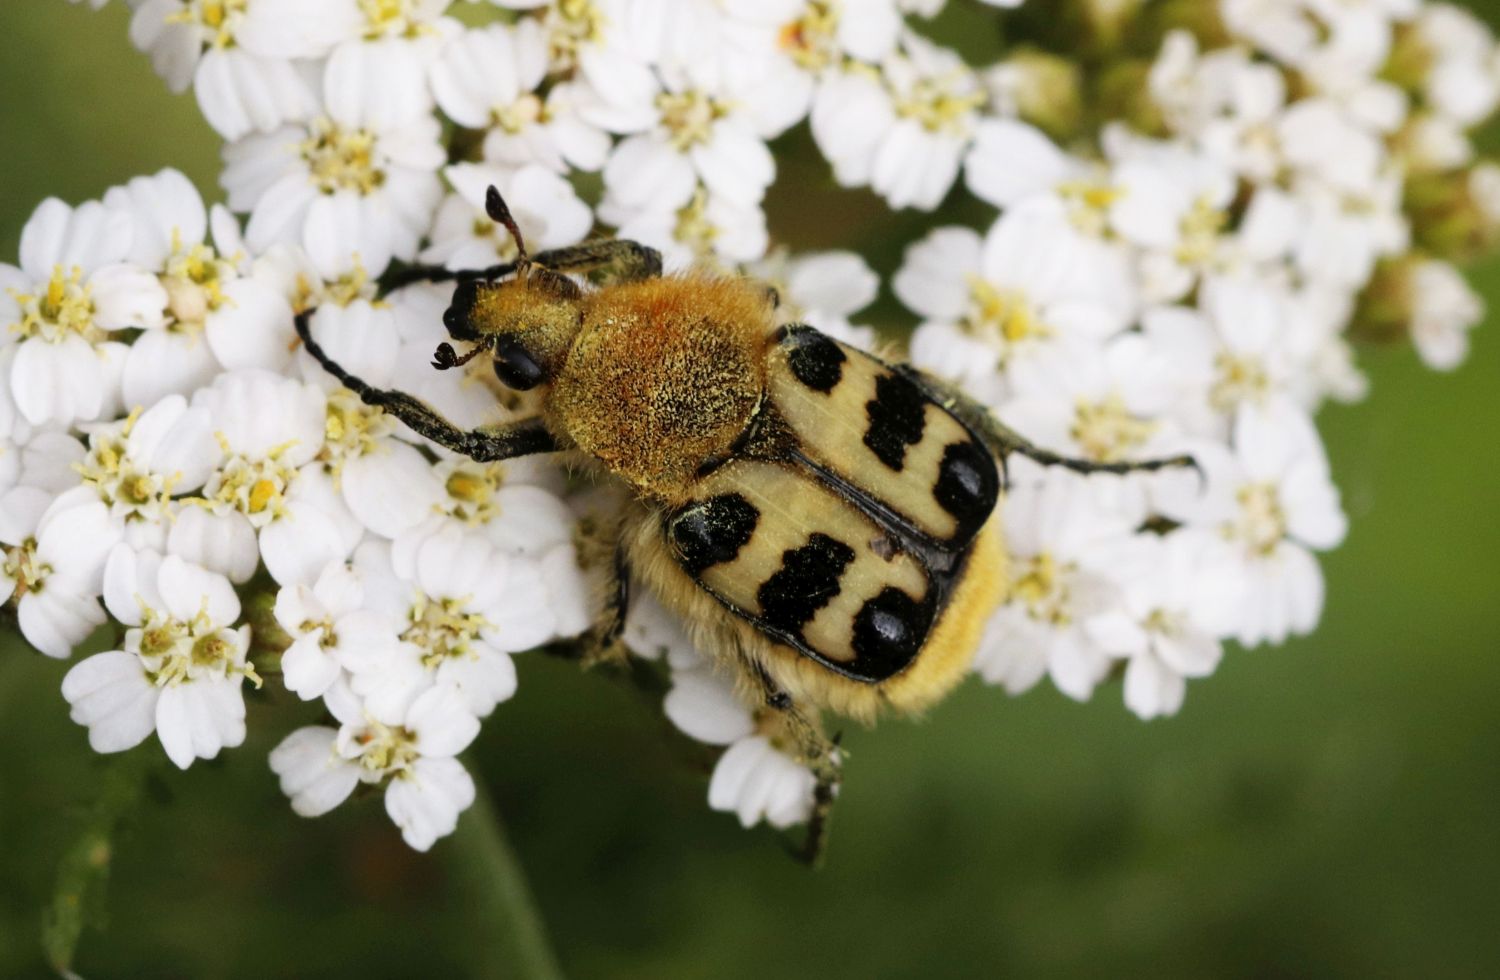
[816, 751]
[632, 262]
[397, 278]
[1002, 440]
[604, 643]
[485, 444]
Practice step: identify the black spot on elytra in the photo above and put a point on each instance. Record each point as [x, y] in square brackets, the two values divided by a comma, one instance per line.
[806, 582]
[888, 631]
[712, 532]
[815, 359]
[898, 414]
[968, 485]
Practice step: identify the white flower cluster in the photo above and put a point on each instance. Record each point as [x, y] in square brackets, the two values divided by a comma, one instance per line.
[1191, 290]
[170, 460]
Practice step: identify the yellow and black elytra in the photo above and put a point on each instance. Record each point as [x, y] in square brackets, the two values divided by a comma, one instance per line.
[824, 522]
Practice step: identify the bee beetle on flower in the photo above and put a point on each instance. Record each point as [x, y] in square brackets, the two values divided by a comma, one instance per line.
[822, 520]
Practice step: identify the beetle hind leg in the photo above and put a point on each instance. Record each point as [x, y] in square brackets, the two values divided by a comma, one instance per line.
[1002, 440]
[801, 735]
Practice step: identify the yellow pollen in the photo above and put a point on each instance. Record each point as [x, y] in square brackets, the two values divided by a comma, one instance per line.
[261, 494]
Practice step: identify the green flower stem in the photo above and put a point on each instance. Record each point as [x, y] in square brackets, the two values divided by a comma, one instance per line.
[510, 940]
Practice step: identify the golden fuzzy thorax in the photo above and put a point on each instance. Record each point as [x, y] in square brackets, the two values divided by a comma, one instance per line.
[662, 376]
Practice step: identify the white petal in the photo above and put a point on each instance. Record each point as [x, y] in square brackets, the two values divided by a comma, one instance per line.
[441, 722]
[311, 773]
[110, 695]
[223, 543]
[426, 803]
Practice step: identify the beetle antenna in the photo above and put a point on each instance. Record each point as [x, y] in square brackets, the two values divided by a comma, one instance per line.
[445, 357]
[496, 208]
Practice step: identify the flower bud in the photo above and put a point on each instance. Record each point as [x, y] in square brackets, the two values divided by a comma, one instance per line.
[1043, 89]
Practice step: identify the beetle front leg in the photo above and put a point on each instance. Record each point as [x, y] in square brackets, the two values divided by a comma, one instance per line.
[486, 444]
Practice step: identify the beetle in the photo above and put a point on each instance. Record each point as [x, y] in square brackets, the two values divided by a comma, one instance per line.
[824, 521]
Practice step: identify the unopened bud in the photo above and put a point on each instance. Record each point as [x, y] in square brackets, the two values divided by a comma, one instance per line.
[1043, 89]
[1455, 215]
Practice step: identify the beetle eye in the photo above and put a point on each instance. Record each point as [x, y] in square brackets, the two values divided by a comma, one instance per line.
[456, 317]
[515, 367]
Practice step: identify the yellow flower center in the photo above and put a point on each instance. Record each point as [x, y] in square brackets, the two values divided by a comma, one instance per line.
[1041, 584]
[351, 429]
[1240, 379]
[342, 159]
[21, 565]
[391, 18]
[689, 117]
[1262, 521]
[1199, 232]
[1002, 316]
[809, 40]
[177, 652]
[386, 748]
[575, 23]
[442, 629]
[693, 228]
[194, 280]
[528, 110]
[218, 18]
[64, 308]
[1088, 203]
[471, 490]
[255, 488]
[1106, 431]
[942, 105]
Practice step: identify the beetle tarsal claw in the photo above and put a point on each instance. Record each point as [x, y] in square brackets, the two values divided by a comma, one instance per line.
[445, 357]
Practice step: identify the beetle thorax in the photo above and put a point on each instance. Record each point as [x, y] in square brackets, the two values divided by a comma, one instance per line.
[664, 376]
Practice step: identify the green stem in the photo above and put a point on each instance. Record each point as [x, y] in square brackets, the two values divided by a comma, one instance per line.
[511, 939]
[78, 899]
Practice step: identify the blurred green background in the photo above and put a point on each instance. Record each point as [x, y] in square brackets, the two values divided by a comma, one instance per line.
[1331, 807]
